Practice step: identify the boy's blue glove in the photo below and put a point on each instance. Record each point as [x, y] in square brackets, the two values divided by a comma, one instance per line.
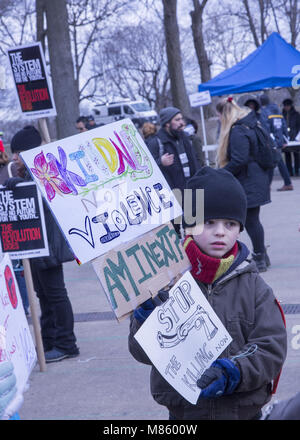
[141, 313]
[220, 379]
[7, 385]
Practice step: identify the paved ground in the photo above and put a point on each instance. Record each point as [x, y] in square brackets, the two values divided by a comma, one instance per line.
[106, 383]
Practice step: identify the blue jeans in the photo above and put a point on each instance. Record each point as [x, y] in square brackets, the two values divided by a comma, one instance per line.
[57, 319]
[282, 169]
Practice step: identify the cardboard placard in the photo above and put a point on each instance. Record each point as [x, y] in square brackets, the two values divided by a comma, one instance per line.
[103, 186]
[183, 337]
[32, 84]
[16, 343]
[132, 273]
[22, 224]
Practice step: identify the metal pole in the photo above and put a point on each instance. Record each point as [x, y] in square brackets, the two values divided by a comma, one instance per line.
[204, 135]
[34, 315]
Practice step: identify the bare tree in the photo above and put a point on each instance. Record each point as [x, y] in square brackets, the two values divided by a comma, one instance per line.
[135, 64]
[62, 69]
[87, 19]
[198, 37]
[16, 23]
[178, 89]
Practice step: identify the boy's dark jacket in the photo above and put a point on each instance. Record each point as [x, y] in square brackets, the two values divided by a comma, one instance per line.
[249, 311]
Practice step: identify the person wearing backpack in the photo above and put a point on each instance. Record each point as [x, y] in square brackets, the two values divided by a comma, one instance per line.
[238, 145]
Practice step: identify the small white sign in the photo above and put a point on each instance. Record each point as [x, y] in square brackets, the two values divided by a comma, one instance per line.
[16, 344]
[200, 98]
[183, 337]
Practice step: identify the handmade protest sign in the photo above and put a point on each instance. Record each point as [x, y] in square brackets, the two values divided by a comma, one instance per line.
[183, 337]
[31, 81]
[103, 186]
[132, 273]
[22, 224]
[16, 343]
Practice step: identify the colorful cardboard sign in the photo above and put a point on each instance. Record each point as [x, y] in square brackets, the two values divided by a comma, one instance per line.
[183, 337]
[28, 68]
[132, 273]
[16, 342]
[103, 186]
[22, 224]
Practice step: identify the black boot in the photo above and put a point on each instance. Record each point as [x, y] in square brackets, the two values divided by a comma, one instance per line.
[260, 261]
[267, 259]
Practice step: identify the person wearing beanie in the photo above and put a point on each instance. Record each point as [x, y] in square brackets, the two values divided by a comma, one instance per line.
[292, 118]
[239, 383]
[172, 149]
[57, 319]
[274, 123]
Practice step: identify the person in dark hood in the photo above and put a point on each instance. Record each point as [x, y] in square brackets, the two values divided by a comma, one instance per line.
[292, 118]
[252, 102]
[237, 145]
[273, 121]
[191, 129]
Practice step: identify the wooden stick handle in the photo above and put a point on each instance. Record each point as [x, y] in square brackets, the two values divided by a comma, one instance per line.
[34, 315]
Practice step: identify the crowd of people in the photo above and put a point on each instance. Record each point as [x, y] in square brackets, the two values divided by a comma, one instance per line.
[239, 383]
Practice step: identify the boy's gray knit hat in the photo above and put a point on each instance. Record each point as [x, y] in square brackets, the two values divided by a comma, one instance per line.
[166, 114]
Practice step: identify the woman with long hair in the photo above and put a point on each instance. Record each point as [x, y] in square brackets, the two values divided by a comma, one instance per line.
[237, 145]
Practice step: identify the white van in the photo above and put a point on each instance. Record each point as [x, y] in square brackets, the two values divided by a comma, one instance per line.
[138, 111]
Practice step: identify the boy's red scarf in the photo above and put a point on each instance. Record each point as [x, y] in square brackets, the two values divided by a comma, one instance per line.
[205, 268]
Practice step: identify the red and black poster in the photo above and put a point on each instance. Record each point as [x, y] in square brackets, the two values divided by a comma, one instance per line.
[31, 80]
[22, 224]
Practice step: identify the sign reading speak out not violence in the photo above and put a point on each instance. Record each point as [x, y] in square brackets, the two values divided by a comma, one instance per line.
[132, 273]
[183, 337]
[22, 224]
[103, 186]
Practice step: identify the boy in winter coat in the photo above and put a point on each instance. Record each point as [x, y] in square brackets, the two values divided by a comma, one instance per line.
[240, 382]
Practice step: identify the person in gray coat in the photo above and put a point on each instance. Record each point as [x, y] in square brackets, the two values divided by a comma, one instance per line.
[241, 381]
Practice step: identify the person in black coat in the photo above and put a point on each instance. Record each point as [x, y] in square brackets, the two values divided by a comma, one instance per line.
[292, 118]
[172, 149]
[235, 154]
[57, 320]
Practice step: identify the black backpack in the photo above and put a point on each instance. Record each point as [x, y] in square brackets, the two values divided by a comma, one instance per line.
[263, 152]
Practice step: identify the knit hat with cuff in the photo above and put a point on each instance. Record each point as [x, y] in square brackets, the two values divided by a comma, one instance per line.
[224, 196]
[25, 139]
[166, 114]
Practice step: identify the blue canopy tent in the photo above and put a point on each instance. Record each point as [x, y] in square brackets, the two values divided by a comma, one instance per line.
[268, 66]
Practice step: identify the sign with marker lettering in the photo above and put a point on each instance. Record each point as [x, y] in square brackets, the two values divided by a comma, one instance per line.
[103, 186]
[31, 80]
[132, 273]
[22, 224]
[183, 337]
[16, 343]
